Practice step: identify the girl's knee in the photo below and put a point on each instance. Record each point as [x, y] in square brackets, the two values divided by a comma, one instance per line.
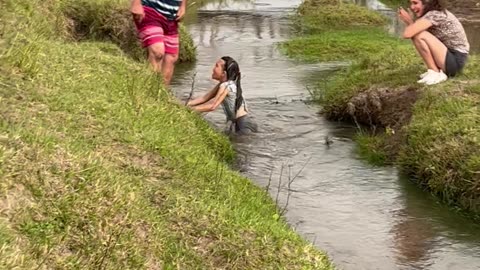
[425, 36]
[419, 36]
[157, 52]
[171, 58]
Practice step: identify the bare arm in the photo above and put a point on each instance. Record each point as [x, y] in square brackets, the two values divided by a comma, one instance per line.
[182, 10]
[415, 28]
[137, 11]
[214, 103]
[405, 16]
[211, 94]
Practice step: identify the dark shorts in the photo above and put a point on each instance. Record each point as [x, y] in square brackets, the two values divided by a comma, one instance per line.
[454, 62]
[245, 125]
[155, 28]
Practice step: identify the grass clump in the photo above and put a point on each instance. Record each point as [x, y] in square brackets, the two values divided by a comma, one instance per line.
[340, 45]
[316, 16]
[102, 169]
[334, 30]
[390, 67]
[370, 148]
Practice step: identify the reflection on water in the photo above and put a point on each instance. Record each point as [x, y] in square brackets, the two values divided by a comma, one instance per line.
[425, 226]
[413, 234]
[364, 217]
[413, 239]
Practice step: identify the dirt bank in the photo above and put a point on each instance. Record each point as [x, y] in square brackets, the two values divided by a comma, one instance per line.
[383, 107]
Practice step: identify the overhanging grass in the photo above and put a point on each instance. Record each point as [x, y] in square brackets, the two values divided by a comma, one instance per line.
[102, 169]
[370, 148]
[443, 148]
[90, 20]
[111, 20]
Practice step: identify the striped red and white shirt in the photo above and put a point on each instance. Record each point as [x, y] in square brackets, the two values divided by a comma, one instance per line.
[168, 8]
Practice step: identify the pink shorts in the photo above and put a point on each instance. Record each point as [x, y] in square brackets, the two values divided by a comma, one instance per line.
[155, 28]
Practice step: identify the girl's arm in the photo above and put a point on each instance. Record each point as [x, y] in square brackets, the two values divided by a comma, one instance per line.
[204, 98]
[413, 27]
[214, 103]
[417, 27]
[183, 9]
[137, 11]
[405, 16]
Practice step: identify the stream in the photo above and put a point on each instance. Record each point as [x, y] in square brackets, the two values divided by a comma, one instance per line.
[364, 217]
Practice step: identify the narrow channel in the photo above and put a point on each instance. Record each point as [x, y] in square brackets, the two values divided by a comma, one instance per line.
[364, 217]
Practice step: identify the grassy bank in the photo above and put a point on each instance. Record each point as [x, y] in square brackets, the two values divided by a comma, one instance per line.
[430, 132]
[102, 169]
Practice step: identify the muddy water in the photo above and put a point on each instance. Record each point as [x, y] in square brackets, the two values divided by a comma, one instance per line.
[364, 217]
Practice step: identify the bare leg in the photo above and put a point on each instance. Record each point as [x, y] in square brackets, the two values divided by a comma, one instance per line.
[432, 50]
[156, 54]
[168, 67]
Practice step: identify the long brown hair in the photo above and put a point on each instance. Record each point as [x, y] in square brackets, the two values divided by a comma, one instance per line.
[233, 74]
[430, 5]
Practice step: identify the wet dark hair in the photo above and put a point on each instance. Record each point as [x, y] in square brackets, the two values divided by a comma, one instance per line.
[233, 74]
[430, 5]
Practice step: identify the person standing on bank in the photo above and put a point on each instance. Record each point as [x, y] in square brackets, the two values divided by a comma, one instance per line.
[227, 92]
[439, 38]
[157, 27]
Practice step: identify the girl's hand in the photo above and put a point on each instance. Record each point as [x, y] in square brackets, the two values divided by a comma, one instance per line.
[181, 13]
[137, 11]
[404, 16]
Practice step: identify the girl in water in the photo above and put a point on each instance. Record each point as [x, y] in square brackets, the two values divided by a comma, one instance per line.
[227, 92]
[438, 37]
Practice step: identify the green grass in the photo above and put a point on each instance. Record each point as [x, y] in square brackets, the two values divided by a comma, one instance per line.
[111, 21]
[370, 148]
[102, 169]
[443, 147]
[340, 45]
[317, 16]
[108, 21]
[396, 3]
[439, 145]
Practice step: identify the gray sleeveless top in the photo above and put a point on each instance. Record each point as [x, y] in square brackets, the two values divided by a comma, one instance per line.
[228, 103]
